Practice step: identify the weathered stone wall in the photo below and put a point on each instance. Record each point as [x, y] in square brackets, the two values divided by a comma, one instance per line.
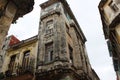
[69, 50]
[57, 37]
[76, 49]
[6, 20]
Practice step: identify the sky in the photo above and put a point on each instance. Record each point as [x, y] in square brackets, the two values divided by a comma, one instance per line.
[87, 15]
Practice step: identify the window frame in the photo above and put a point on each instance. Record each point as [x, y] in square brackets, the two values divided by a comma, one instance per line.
[49, 52]
[49, 27]
[26, 57]
[11, 66]
[113, 6]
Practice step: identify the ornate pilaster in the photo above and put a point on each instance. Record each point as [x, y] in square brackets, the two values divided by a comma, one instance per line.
[57, 40]
[60, 44]
[41, 44]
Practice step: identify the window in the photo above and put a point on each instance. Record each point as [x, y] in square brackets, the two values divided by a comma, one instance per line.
[12, 63]
[26, 60]
[49, 27]
[71, 54]
[113, 6]
[49, 52]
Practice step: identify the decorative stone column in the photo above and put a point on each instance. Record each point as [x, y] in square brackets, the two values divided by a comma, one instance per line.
[6, 20]
[10, 11]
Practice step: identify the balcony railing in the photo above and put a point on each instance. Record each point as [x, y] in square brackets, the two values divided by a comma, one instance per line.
[19, 71]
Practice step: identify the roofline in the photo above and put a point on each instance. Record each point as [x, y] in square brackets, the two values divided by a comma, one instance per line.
[73, 17]
[34, 38]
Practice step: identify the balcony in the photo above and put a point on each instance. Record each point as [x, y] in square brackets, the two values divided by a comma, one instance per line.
[21, 77]
[20, 74]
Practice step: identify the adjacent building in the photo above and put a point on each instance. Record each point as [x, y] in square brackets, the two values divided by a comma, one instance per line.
[9, 41]
[58, 52]
[20, 60]
[110, 16]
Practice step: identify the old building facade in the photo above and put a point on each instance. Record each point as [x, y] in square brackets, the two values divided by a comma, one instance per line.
[58, 52]
[110, 16]
[20, 60]
[61, 47]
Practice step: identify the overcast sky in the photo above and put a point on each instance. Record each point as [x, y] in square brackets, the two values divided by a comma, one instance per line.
[87, 15]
